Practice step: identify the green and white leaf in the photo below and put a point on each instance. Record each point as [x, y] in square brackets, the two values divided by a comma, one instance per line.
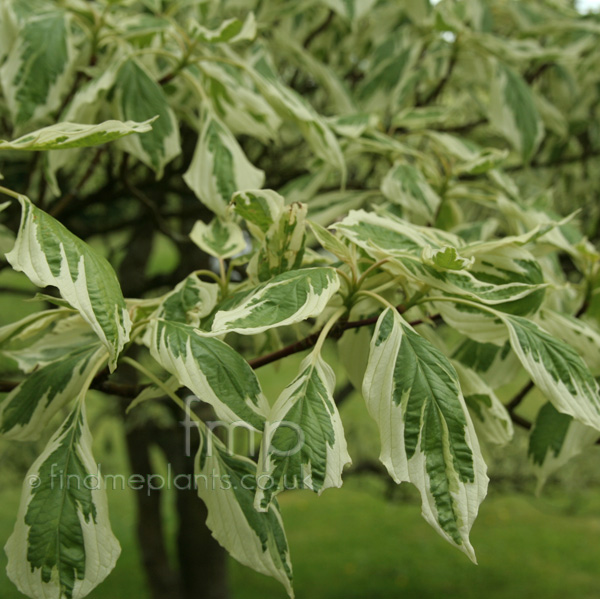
[190, 301]
[64, 136]
[138, 97]
[577, 333]
[292, 106]
[219, 167]
[303, 446]
[279, 229]
[556, 369]
[230, 31]
[235, 100]
[427, 437]
[26, 410]
[490, 418]
[286, 299]
[227, 484]
[498, 365]
[36, 74]
[67, 333]
[406, 186]
[211, 369]
[62, 545]
[475, 324]
[512, 111]
[332, 243]
[221, 239]
[554, 440]
[49, 254]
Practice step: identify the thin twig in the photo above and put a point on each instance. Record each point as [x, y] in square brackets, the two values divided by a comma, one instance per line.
[67, 199]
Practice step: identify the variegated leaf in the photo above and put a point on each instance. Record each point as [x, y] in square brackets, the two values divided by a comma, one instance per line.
[62, 545]
[475, 324]
[219, 167]
[303, 446]
[211, 369]
[406, 245]
[556, 369]
[138, 97]
[189, 302]
[237, 103]
[496, 364]
[64, 136]
[290, 105]
[230, 31]
[579, 334]
[221, 239]
[279, 229]
[49, 254]
[490, 418]
[30, 406]
[513, 113]
[555, 439]
[405, 185]
[332, 243]
[68, 332]
[35, 76]
[227, 484]
[286, 299]
[427, 437]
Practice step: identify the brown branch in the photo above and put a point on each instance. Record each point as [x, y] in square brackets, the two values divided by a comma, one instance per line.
[309, 341]
[512, 405]
[437, 90]
[119, 389]
[322, 27]
[520, 421]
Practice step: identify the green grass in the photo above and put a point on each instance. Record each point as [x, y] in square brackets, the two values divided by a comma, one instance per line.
[352, 543]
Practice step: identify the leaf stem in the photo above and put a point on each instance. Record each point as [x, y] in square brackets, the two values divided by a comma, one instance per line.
[9, 192]
[135, 364]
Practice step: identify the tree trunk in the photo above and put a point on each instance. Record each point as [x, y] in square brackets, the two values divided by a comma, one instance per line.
[201, 562]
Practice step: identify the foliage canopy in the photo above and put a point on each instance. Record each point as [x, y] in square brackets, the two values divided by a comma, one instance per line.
[388, 175]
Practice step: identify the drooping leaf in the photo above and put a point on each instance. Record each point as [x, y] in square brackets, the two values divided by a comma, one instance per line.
[29, 407]
[286, 299]
[138, 97]
[291, 106]
[62, 545]
[219, 167]
[304, 445]
[227, 483]
[405, 185]
[211, 369]
[579, 334]
[427, 437]
[554, 440]
[35, 76]
[49, 254]
[63, 136]
[513, 112]
[490, 418]
[556, 369]
[496, 364]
